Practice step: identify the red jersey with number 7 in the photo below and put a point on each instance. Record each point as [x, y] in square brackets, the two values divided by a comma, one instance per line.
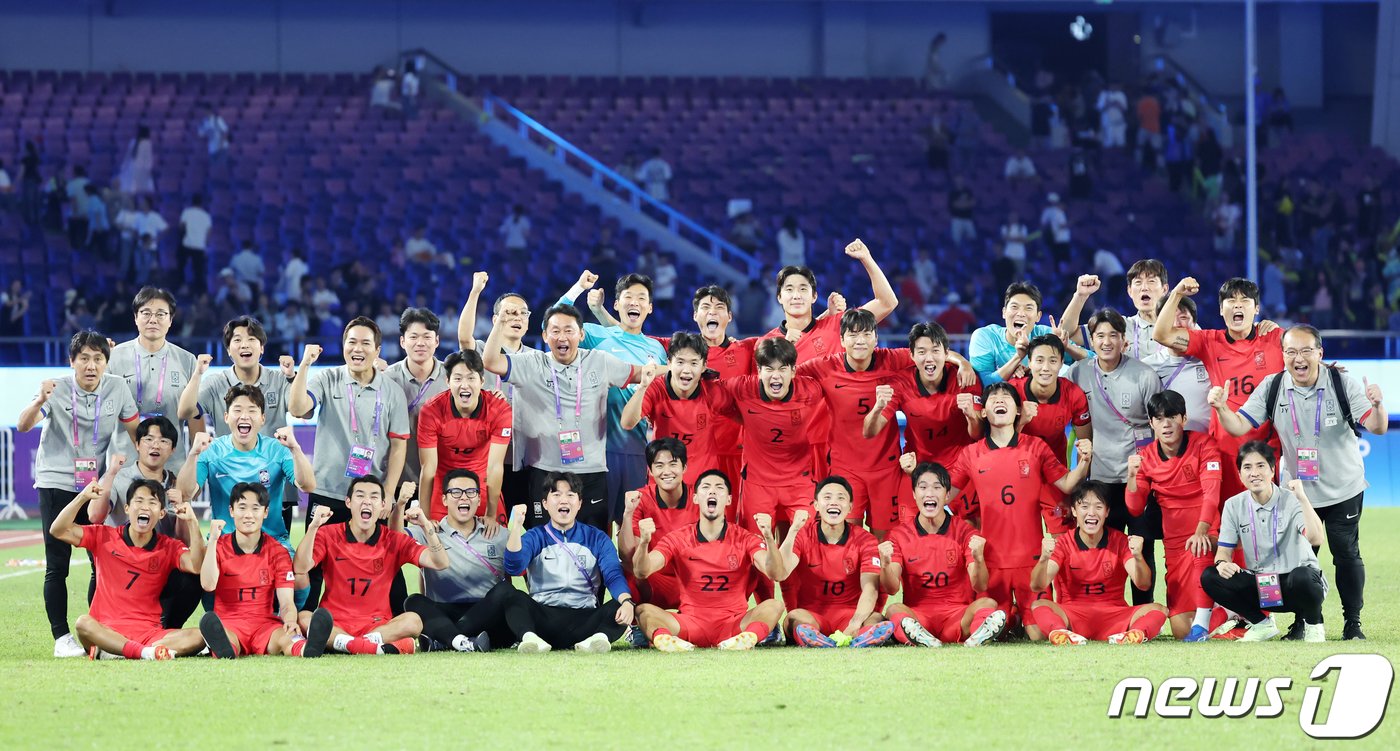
[129, 578]
[1009, 482]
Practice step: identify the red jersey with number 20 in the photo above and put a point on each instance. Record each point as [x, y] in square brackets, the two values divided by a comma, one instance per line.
[1009, 482]
[935, 564]
[129, 579]
[715, 575]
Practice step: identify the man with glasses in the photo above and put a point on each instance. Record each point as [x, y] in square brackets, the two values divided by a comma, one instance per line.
[155, 370]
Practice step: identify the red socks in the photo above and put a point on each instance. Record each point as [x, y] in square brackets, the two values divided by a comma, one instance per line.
[899, 634]
[361, 646]
[1150, 623]
[1048, 620]
[661, 632]
[979, 617]
[298, 647]
[759, 629]
[131, 650]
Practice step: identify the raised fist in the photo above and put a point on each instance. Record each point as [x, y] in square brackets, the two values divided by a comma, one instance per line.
[884, 394]
[1087, 285]
[595, 298]
[886, 549]
[406, 491]
[118, 461]
[1047, 548]
[1217, 397]
[857, 250]
[908, 461]
[646, 528]
[976, 544]
[799, 519]
[216, 528]
[185, 513]
[836, 303]
[1188, 286]
[415, 515]
[288, 366]
[587, 279]
[46, 390]
[517, 517]
[764, 522]
[1135, 544]
[310, 355]
[1134, 464]
[479, 280]
[202, 363]
[630, 501]
[321, 516]
[1029, 410]
[174, 497]
[200, 443]
[967, 404]
[1085, 447]
[286, 436]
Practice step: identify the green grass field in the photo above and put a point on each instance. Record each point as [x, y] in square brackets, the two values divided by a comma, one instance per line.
[1001, 696]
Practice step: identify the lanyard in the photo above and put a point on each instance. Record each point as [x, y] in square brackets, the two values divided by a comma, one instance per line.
[1172, 378]
[463, 540]
[141, 383]
[1098, 379]
[378, 405]
[1273, 532]
[73, 410]
[426, 385]
[578, 396]
[549, 530]
[1317, 417]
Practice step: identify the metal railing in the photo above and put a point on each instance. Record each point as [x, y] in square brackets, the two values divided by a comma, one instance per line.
[9, 504]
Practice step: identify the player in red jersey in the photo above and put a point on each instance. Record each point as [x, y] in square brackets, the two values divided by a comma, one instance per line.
[464, 427]
[835, 566]
[133, 563]
[730, 358]
[935, 430]
[1243, 351]
[359, 559]
[245, 570]
[1183, 470]
[1007, 472]
[681, 404]
[1050, 406]
[715, 563]
[1090, 567]
[668, 503]
[938, 560]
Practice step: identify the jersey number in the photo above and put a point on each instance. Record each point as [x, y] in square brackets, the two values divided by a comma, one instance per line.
[685, 438]
[777, 435]
[1244, 385]
[863, 406]
[935, 582]
[1096, 588]
[364, 586]
[833, 589]
[928, 433]
[1007, 497]
[134, 576]
[252, 593]
[714, 583]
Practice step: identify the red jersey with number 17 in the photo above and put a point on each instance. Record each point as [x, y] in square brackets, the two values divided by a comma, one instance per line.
[850, 394]
[129, 578]
[1009, 482]
[778, 432]
[934, 428]
[715, 575]
[828, 574]
[1092, 576]
[248, 581]
[359, 574]
[935, 563]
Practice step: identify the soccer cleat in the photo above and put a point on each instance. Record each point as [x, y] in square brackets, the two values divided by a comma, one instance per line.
[775, 638]
[744, 640]
[212, 629]
[481, 643]
[531, 644]
[1197, 633]
[988, 631]
[1131, 636]
[1352, 630]
[596, 644]
[918, 635]
[318, 633]
[429, 644]
[1295, 632]
[404, 646]
[67, 646]
[162, 653]
[1061, 637]
[97, 653]
[1227, 629]
[873, 636]
[634, 638]
[1264, 630]
[1314, 632]
[806, 636]
[671, 643]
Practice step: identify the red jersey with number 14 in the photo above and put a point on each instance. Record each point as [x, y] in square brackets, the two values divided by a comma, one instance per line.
[934, 428]
[359, 574]
[715, 575]
[248, 581]
[1092, 576]
[935, 564]
[828, 574]
[129, 578]
[1009, 482]
[1067, 406]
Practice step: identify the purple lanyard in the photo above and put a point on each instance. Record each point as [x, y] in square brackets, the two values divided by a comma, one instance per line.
[73, 411]
[378, 405]
[463, 540]
[1317, 418]
[426, 385]
[1172, 378]
[1273, 531]
[141, 384]
[549, 530]
[1098, 380]
[578, 396]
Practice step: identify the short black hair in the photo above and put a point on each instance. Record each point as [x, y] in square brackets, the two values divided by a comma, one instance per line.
[1022, 288]
[1147, 267]
[715, 473]
[670, 444]
[1239, 286]
[999, 387]
[628, 281]
[259, 493]
[683, 340]
[938, 470]
[801, 271]
[147, 294]
[552, 480]
[458, 474]
[157, 489]
[562, 309]
[468, 357]
[255, 329]
[775, 352]
[1089, 487]
[1185, 303]
[857, 320]
[496, 306]
[366, 322]
[363, 480]
[88, 340]
[428, 318]
[1166, 404]
[1304, 328]
[243, 389]
[837, 480]
[1046, 340]
[167, 428]
[929, 330]
[711, 290]
[1109, 316]
[1257, 447]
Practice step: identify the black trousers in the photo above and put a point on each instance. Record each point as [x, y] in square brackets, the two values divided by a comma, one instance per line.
[57, 557]
[1342, 522]
[445, 621]
[1147, 525]
[179, 599]
[594, 500]
[1302, 593]
[515, 489]
[561, 627]
[195, 257]
[340, 514]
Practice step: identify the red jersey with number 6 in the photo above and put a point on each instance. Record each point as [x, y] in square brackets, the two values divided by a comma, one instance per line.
[1009, 482]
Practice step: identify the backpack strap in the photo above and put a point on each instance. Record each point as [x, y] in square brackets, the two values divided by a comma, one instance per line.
[1271, 396]
[1343, 402]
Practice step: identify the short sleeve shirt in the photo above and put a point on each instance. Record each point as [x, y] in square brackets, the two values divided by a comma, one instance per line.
[156, 380]
[582, 388]
[129, 578]
[463, 441]
[1271, 534]
[1118, 404]
[416, 395]
[215, 386]
[96, 416]
[222, 466]
[248, 582]
[934, 563]
[346, 418]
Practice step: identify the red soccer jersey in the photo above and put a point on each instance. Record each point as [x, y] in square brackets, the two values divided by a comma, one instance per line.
[1009, 483]
[1093, 576]
[666, 519]
[715, 575]
[1187, 486]
[462, 441]
[358, 574]
[1067, 406]
[778, 432]
[821, 338]
[690, 420]
[935, 564]
[849, 396]
[1245, 360]
[247, 581]
[934, 428]
[732, 359]
[129, 579]
[828, 575]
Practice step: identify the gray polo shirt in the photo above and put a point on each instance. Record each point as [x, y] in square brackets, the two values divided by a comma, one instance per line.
[1117, 427]
[332, 390]
[214, 386]
[466, 578]
[415, 394]
[492, 382]
[1186, 376]
[1341, 473]
[121, 483]
[53, 463]
[1140, 344]
[1271, 535]
[582, 387]
[156, 380]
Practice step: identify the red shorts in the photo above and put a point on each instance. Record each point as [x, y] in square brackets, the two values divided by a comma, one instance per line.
[710, 629]
[356, 624]
[880, 496]
[141, 632]
[253, 634]
[661, 589]
[832, 619]
[1184, 592]
[1004, 584]
[1098, 621]
[778, 501]
[943, 620]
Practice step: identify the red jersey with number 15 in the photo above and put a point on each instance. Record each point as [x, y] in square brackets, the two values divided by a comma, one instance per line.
[1009, 482]
[129, 578]
[828, 575]
[715, 575]
[731, 359]
[1092, 576]
[850, 394]
[778, 432]
[690, 420]
[248, 581]
[935, 564]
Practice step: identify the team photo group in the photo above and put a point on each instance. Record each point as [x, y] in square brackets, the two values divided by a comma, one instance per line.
[617, 487]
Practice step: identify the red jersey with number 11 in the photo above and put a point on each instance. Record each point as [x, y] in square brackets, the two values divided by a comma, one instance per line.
[248, 581]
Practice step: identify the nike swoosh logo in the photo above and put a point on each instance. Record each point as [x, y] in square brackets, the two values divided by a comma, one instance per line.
[981, 471]
[340, 558]
[1222, 359]
[911, 559]
[751, 411]
[841, 385]
[596, 500]
[1353, 516]
[220, 475]
[813, 565]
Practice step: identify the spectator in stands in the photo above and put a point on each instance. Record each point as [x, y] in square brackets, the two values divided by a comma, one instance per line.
[195, 223]
[248, 268]
[655, 174]
[1113, 116]
[1109, 268]
[1280, 114]
[14, 309]
[234, 297]
[291, 325]
[938, 144]
[1226, 222]
[515, 231]
[961, 204]
[664, 282]
[1055, 227]
[200, 318]
[29, 182]
[746, 232]
[1368, 208]
[956, 318]
[324, 297]
[78, 318]
[935, 75]
[381, 94]
[408, 90]
[792, 244]
[139, 164]
[1149, 134]
[1020, 170]
[76, 192]
[214, 130]
[147, 254]
[419, 249]
[925, 273]
[1014, 236]
[604, 258]
[1178, 152]
[99, 226]
[262, 308]
[1081, 176]
[1273, 288]
[289, 281]
[1322, 306]
[1210, 161]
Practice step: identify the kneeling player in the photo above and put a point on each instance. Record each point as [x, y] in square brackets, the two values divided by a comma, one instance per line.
[667, 502]
[715, 564]
[359, 559]
[242, 569]
[837, 592]
[937, 559]
[133, 563]
[1090, 566]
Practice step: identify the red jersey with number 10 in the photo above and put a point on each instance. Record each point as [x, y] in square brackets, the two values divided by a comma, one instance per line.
[1009, 482]
[129, 579]
[828, 574]
[247, 581]
[935, 564]
[715, 575]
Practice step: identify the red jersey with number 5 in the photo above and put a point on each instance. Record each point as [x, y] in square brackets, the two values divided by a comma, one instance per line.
[1092, 576]
[715, 575]
[359, 574]
[778, 432]
[129, 578]
[935, 563]
[1009, 482]
[828, 574]
[850, 394]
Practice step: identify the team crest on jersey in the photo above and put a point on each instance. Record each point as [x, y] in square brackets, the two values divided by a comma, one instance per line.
[264, 477]
[848, 565]
[1025, 468]
[271, 398]
[377, 566]
[175, 378]
[1108, 568]
[951, 556]
[264, 578]
[153, 566]
[819, 345]
[701, 420]
[796, 418]
[1258, 359]
[491, 550]
[733, 562]
[592, 378]
[1190, 472]
[1127, 401]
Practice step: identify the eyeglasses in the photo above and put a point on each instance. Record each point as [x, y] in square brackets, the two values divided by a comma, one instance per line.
[151, 440]
[147, 314]
[458, 494]
[1305, 352]
[508, 313]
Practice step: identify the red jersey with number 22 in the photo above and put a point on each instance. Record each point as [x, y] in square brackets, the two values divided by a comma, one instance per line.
[715, 575]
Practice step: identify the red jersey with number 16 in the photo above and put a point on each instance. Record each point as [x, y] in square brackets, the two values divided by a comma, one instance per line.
[715, 575]
[247, 581]
[1009, 482]
[129, 578]
[1246, 361]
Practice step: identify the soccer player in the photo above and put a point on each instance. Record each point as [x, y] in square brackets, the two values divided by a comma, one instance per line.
[838, 590]
[462, 605]
[421, 377]
[247, 571]
[80, 415]
[1051, 406]
[682, 404]
[1006, 473]
[1239, 356]
[712, 312]
[1181, 469]
[667, 501]
[1089, 567]
[359, 559]
[133, 563]
[939, 561]
[715, 565]
[567, 565]
[935, 430]
[464, 427]
[155, 370]
[998, 353]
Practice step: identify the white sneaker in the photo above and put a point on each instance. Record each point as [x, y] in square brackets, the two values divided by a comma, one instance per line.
[67, 646]
[531, 644]
[1262, 631]
[596, 644]
[917, 634]
[990, 629]
[1314, 632]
